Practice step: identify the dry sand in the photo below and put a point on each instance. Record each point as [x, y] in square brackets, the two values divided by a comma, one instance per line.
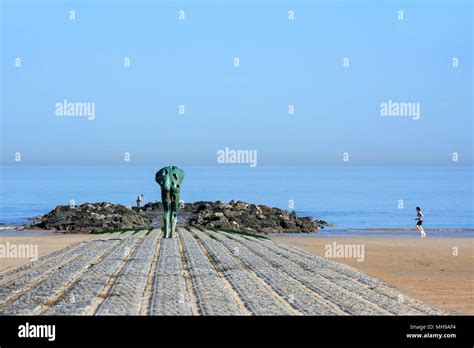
[427, 269]
[46, 245]
[118, 275]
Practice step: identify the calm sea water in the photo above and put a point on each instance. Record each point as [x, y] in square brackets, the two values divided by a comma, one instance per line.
[352, 197]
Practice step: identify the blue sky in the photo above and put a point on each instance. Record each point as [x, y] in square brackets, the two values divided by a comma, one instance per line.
[282, 62]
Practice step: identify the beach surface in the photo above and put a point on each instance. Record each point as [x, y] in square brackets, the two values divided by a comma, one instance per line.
[197, 272]
[438, 271]
[45, 244]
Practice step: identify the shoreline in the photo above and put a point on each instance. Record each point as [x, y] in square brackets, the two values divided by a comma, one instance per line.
[383, 233]
[391, 232]
[434, 270]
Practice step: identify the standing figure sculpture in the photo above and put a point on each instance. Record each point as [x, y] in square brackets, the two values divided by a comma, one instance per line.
[170, 178]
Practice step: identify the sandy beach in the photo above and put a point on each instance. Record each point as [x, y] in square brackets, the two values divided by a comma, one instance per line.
[438, 271]
[197, 272]
[45, 245]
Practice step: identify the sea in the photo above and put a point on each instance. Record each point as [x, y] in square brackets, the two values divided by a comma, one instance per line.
[351, 197]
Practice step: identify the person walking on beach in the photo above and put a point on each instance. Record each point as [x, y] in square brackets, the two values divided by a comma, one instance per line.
[420, 217]
[139, 200]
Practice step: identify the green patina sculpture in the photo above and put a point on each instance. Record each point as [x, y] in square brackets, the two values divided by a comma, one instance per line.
[170, 178]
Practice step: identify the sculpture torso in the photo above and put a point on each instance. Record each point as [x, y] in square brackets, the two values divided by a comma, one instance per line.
[170, 178]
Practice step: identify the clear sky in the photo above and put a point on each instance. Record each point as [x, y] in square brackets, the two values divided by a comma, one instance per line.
[282, 62]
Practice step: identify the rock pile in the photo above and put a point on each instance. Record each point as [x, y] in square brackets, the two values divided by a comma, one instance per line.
[242, 216]
[235, 215]
[91, 217]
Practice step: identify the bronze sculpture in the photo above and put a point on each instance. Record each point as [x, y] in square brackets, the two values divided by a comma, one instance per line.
[170, 179]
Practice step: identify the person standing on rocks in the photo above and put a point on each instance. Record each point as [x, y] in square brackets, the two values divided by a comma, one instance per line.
[139, 200]
[170, 179]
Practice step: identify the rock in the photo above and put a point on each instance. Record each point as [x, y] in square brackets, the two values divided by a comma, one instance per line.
[88, 218]
[242, 216]
[235, 215]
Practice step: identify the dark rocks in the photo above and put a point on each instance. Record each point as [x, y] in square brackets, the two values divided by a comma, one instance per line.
[242, 216]
[91, 217]
[235, 215]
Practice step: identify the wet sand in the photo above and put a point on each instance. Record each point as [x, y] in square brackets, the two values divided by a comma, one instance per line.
[427, 269]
